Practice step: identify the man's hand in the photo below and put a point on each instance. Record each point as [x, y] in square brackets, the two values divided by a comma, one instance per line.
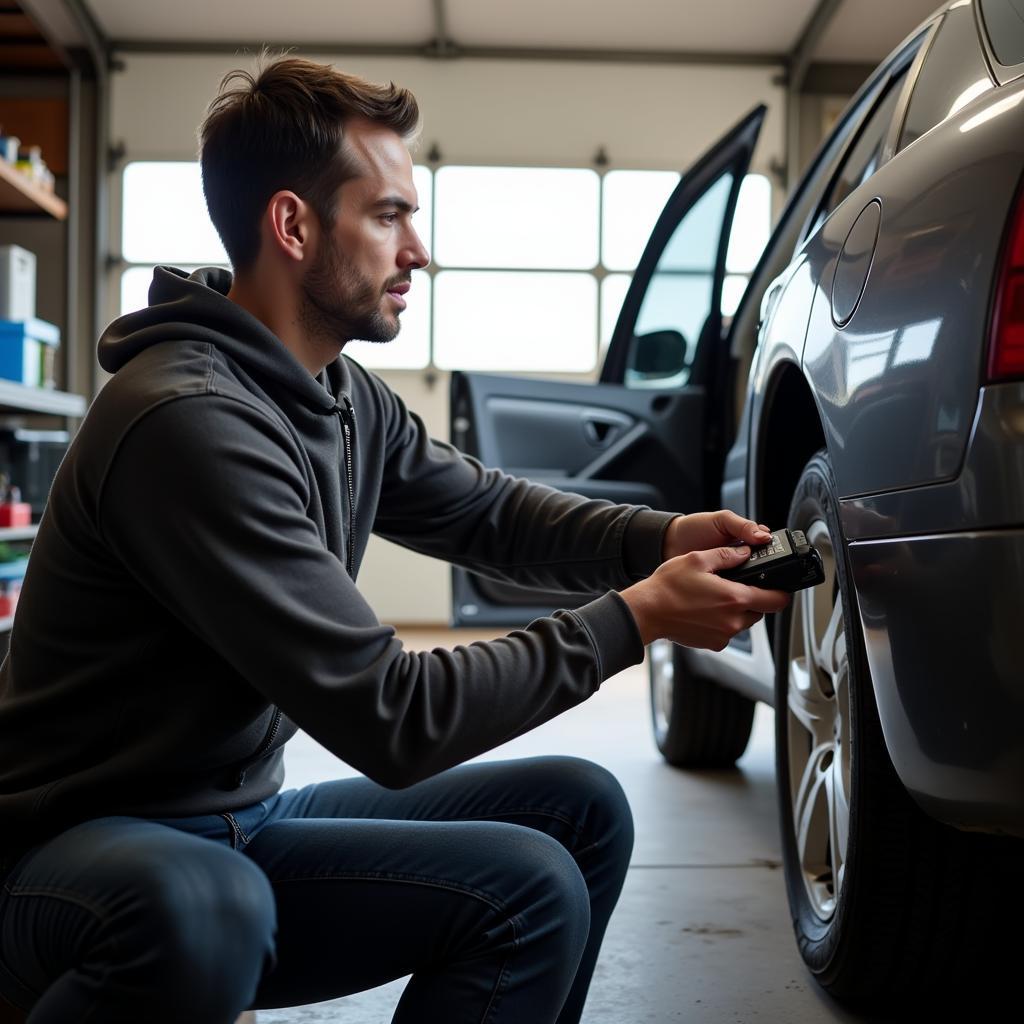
[705, 530]
[684, 601]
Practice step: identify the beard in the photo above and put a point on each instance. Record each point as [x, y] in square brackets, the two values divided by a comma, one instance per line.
[340, 304]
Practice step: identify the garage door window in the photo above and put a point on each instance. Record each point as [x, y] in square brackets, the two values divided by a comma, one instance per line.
[530, 264]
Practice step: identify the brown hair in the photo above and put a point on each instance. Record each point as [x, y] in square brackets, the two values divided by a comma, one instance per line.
[284, 129]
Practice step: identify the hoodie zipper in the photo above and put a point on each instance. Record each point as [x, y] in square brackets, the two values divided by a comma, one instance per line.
[261, 750]
[348, 427]
[347, 416]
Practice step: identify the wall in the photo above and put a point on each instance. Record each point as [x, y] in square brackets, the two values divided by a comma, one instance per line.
[476, 111]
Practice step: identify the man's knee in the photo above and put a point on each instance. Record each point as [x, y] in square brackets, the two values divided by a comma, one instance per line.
[605, 818]
[206, 926]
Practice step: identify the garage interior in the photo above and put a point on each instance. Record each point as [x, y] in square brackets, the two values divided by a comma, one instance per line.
[702, 932]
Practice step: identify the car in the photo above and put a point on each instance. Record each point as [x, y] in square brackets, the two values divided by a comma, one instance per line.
[869, 391]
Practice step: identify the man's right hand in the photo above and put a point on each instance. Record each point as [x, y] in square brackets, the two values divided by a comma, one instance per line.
[684, 601]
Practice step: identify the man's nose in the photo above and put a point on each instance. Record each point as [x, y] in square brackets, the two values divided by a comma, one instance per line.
[415, 255]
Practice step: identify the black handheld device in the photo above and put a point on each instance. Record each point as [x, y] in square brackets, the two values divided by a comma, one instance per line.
[786, 562]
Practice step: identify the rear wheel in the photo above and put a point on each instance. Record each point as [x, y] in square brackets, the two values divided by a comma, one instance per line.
[697, 723]
[885, 901]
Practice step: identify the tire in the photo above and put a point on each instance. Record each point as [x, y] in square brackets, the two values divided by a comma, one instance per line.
[697, 723]
[888, 905]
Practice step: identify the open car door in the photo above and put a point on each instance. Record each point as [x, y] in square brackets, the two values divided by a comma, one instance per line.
[644, 434]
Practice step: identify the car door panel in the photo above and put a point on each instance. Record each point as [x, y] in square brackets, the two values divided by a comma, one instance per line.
[634, 446]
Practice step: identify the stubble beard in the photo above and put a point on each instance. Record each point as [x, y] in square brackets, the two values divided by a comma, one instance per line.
[339, 304]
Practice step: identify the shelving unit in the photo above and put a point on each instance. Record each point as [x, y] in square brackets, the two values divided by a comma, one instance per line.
[18, 194]
[22, 199]
[20, 398]
[16, 397]
[9, 533]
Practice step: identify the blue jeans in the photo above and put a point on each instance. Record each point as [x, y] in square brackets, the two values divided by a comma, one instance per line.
[491, 884]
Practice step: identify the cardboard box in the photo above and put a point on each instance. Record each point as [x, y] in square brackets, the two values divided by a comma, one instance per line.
[27, 349]
[17, 283]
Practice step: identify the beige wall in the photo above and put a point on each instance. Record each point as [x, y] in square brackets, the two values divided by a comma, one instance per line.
[492, 112]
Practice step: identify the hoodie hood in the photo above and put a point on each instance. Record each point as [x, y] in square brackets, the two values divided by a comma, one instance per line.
[195, 307]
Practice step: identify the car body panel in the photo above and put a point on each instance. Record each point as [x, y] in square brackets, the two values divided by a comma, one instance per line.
[897, 386]
[947, 673]
[987, 494]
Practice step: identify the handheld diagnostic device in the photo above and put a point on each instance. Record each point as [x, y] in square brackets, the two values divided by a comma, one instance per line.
[787, 562]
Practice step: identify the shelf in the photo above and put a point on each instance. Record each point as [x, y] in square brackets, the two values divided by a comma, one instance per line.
[9, 533]
[23, 398]
[20, 195]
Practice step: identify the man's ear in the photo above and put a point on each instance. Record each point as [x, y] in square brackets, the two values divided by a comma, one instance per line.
[290, 224]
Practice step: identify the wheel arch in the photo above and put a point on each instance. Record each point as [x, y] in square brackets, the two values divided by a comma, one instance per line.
[791, 432]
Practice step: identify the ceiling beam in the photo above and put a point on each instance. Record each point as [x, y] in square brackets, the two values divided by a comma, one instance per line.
[442, 43]
[799, 61]
[54, 25]
[430, 50]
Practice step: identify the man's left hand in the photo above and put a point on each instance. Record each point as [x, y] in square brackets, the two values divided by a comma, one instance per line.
[704, 530]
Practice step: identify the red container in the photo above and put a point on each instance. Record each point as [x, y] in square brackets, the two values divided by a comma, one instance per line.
[17, 513]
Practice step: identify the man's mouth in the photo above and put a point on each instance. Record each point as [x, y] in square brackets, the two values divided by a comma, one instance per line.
[396, 291]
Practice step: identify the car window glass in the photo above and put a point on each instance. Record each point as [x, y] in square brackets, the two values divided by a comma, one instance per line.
[1004, 23]
[953, 74]
[863, 159]
[678, 298]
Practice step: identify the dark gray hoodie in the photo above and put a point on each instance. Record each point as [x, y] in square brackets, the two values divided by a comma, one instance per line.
[190, 600]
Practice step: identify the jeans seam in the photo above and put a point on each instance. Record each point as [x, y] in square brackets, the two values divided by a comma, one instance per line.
[542, 812]
[502, 981]
[61, 894]
[386, 876]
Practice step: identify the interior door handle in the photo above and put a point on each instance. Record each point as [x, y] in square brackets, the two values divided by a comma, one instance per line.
[601, 432]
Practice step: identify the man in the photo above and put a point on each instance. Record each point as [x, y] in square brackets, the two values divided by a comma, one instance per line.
[191, 603]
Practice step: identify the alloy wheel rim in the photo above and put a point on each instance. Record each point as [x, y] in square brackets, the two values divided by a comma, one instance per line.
[818, 709]
[663, 677]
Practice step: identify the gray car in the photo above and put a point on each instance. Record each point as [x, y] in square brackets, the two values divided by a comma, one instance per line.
[869, 391]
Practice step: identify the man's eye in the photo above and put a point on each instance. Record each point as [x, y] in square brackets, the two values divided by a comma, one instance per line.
[389, 218]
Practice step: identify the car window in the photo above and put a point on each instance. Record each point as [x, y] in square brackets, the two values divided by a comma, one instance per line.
[953, 74]
[678, 298]
[1004, 24]
[863, 159]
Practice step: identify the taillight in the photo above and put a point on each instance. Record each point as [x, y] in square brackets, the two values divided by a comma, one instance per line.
[1006, 355]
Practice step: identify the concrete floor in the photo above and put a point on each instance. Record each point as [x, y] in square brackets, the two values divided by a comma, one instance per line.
[702, 931]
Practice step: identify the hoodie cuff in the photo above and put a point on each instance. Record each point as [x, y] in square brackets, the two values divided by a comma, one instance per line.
[613, 632]
[643, 541]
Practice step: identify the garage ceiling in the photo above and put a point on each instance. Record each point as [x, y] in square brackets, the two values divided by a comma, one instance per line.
[859, 31]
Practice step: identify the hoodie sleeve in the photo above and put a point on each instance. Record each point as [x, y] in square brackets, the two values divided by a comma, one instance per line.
[204, 506]
[438, 501]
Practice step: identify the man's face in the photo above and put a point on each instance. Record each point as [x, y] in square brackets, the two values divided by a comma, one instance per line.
[362, 270]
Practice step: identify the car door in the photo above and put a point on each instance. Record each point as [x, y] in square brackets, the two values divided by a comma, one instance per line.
[644, 433]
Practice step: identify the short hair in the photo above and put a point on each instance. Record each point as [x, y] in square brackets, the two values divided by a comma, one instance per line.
[284, 129]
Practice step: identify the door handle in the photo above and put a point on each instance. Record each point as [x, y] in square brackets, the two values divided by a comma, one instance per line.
[600, 432]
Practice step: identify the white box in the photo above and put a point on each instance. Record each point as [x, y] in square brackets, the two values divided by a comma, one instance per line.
[17, 283]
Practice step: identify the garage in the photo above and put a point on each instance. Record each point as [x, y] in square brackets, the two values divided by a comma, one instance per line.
[511, 513]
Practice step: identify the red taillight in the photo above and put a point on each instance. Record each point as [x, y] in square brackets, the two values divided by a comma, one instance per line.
[1006, 355]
